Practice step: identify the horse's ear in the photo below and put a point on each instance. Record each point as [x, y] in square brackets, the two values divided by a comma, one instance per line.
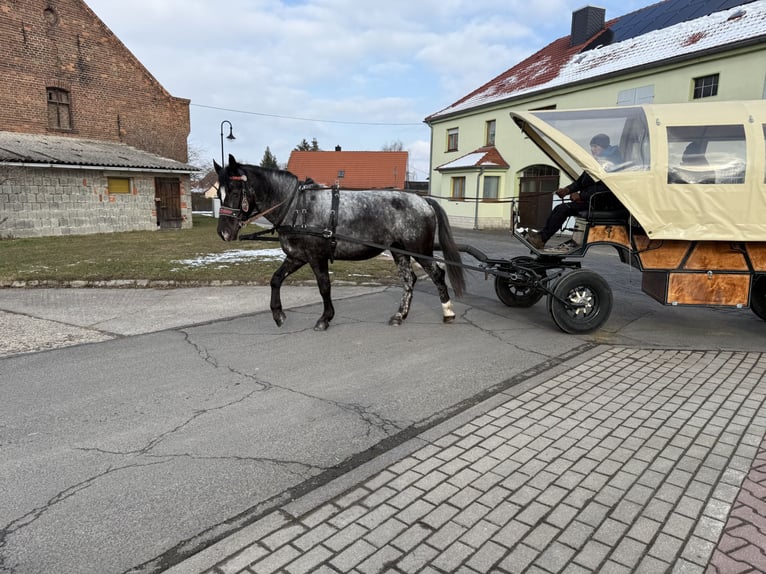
[217, 167]
[233, 162]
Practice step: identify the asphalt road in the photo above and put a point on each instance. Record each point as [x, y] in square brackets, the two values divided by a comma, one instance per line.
[183, 416]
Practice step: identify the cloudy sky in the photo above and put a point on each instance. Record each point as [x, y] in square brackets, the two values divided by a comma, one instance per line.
[354, 73]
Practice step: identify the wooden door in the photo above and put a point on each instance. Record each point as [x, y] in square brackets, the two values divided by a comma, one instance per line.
[167, 199]
[536, 187]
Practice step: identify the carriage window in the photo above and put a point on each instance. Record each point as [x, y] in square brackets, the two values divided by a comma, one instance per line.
[706, 154]
[458, 188]
[624, 127]
[491, 125]
[491, 186]
[452, 139]
[118, 184]
[59, 113]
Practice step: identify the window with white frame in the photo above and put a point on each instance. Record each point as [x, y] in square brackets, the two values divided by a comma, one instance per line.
[458, 188]
[491, 125]
[452, 139]
[636, 96]
[491, 187]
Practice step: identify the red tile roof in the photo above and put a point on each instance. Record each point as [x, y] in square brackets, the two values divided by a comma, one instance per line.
[537, 70]
[631, 42]
[486, 156]
[361, 169]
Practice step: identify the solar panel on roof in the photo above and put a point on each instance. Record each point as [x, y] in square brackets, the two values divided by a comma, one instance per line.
[667, 13]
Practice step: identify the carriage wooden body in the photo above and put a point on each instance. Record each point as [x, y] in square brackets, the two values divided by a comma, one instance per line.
[692, 218]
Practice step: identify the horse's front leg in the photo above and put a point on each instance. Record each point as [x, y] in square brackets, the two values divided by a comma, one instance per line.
[289, 266]
[436, 273]
[321, 270]
[408, 278]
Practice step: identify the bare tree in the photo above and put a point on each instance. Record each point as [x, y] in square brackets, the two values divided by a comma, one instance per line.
[396, 145]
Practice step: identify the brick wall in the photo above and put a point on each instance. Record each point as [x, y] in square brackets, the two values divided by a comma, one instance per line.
[37, 202]
[63, 44]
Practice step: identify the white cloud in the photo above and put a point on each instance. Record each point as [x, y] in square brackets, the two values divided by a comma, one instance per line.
[342, 60]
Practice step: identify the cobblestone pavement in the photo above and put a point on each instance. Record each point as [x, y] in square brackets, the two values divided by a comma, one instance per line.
[633, 461]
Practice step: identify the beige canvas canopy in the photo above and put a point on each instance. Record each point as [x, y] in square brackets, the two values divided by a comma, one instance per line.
[691, 171]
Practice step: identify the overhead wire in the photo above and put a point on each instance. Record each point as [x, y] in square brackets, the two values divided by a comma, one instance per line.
[297, 118]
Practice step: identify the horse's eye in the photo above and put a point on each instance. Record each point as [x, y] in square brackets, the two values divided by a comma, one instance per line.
[245, 205]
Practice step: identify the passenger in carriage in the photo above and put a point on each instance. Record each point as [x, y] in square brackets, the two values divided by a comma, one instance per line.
[579, 191]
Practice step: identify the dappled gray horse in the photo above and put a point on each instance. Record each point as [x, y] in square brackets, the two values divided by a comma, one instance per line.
[317, 225]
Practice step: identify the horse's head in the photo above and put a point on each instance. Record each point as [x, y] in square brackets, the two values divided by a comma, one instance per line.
[240, 186]
[237, 201]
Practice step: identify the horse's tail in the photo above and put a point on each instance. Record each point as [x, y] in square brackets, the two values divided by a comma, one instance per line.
[455, 270]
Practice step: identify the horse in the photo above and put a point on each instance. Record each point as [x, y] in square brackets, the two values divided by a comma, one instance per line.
[317, 225]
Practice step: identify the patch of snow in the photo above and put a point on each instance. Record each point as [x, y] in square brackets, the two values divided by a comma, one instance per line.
[234, 256]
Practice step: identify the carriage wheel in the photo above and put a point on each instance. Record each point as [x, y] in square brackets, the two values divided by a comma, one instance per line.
[517, 291]
[758, 297]
[581, 302]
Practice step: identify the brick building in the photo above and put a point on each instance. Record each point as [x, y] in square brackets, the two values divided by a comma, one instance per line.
[89, 140]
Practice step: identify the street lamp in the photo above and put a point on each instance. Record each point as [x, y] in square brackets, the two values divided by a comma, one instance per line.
[228, 137]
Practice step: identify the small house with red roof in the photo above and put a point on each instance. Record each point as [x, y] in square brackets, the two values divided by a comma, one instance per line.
[669, 52]
[351, 169]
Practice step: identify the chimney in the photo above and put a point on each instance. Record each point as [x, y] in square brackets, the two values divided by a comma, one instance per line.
[337, 148]
[585, 23]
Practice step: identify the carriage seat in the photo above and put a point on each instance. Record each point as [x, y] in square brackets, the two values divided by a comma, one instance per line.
[605, 209]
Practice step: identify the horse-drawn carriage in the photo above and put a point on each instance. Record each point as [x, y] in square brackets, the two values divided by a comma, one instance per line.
[686, 205]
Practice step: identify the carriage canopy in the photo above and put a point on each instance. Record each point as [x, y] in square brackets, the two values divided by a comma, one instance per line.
[692, 171]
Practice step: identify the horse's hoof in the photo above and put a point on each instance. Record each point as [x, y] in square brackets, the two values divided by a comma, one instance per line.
[321, 326]
[395, 321]
[279, 318]
[450, 319]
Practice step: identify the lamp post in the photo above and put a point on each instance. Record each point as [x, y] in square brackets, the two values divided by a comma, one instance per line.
[228, 137]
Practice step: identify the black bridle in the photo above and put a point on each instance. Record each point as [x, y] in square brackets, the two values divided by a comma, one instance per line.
[242, 214]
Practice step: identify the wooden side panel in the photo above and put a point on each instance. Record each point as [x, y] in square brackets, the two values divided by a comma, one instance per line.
[716, 289]
[757, 253]
[661, 254]
[716, 255]
[613, 233]
[655, 284]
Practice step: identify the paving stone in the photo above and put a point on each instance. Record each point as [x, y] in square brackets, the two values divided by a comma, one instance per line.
[353, 555]
[451, 558]
[592, 554]
[412, 537]
[638, 460]
[628, 552]
[486, 557]
[380, 560]
[666, 547]
[415, 559]
[610, 532]
[307, 561]
[385, 532]
[519, 559]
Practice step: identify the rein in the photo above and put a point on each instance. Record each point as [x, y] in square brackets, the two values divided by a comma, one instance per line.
[235, 213]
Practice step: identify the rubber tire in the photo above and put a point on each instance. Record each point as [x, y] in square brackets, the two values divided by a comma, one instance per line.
[758, 296]
[511, 295]
[581, 284]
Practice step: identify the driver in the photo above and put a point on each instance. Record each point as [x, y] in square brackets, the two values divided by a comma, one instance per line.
[579, 192]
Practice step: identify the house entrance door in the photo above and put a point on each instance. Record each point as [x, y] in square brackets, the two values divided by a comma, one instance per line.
[167, 199]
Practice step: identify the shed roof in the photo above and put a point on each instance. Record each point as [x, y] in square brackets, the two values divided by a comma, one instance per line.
[351, 169]
[486, 156]
[59, 151]
[651, 36]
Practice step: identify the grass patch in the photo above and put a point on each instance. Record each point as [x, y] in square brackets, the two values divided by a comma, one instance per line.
[195, 255]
